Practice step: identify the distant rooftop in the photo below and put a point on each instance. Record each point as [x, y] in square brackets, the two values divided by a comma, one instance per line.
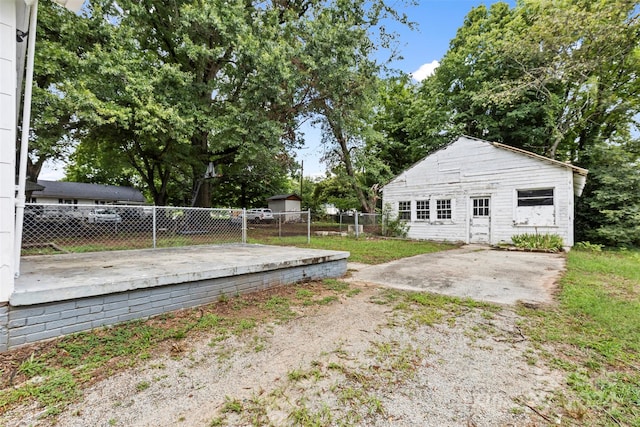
[80, 190]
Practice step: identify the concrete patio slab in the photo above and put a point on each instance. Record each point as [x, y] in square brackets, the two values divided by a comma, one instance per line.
[473, 271]
[63, 294]
[70, 276]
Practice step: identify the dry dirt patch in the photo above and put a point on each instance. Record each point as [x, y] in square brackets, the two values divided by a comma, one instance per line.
[369, 358]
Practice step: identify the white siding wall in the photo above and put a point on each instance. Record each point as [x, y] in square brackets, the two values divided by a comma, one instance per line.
[470, 168]
[7, 145]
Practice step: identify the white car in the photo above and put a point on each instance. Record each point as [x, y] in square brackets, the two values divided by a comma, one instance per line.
[259, 215]
[255, 216]
[104, 216]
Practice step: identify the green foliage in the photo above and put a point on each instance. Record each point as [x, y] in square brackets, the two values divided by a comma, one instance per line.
[393, 226]
[588, 246]
[609, 211]
[550, 242]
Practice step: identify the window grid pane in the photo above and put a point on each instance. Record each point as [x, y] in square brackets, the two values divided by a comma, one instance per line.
[422, 210]
[443, 209]
[404, 210]
[480, 207]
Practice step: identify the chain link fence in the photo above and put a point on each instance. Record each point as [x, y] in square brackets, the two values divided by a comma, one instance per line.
[349, 223]
[50, 228]
[54, 228]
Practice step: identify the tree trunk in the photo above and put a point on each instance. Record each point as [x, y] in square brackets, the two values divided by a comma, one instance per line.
[346, 159]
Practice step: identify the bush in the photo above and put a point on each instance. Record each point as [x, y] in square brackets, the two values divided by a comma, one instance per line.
[549, 242]
[392, 226]
[588, 247]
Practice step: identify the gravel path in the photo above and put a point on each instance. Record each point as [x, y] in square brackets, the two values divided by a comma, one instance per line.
[359, 361]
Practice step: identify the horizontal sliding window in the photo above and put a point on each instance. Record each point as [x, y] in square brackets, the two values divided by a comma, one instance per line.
[543, 197]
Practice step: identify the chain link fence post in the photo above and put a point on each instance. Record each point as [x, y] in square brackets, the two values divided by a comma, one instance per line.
[308, 226]
[244, 226]
[153, 227]
[355, 223]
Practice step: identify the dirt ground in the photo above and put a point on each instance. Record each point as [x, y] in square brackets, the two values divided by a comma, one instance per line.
[369, 358]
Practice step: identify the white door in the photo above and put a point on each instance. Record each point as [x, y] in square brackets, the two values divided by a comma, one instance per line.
[480, 220]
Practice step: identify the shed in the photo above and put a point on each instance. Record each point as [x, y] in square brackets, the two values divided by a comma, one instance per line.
[82, 193]
[281, 203]
[476, 191]
[285, 203]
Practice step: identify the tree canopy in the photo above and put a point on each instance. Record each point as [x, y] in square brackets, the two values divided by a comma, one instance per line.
[157, 94]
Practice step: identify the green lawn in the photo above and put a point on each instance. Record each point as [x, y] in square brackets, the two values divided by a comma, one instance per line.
[365, 250]
[594, 334]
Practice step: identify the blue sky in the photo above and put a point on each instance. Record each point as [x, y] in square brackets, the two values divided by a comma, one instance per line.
[437, 23]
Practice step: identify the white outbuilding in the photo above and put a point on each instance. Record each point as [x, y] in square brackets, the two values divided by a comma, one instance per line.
[476, 191]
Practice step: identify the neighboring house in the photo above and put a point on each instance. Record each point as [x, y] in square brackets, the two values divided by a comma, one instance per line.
[286, 203]
[329, 209]
[75, 193]
[476, 191]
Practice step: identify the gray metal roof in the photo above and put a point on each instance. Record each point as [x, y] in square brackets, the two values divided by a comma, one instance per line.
[80, 190]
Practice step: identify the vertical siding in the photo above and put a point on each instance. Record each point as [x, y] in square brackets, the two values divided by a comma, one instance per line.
[471, 168]
[7, 144]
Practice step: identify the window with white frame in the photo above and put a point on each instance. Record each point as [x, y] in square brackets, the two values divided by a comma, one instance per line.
[535, 207]
[422, 210]
[404, 210]
[443, 209]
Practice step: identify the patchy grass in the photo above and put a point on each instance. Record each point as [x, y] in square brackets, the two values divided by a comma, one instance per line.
[53, 373]
[594, 334]
[364, 250]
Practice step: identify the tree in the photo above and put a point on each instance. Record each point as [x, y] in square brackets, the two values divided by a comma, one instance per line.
[609, 210]
[582, 59]
[177, 86]
[192, 83]
[61, 38]
[343, 81]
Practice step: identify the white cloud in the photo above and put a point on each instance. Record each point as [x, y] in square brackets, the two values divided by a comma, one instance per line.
[425, 70]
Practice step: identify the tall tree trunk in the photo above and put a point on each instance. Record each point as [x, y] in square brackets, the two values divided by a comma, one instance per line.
[201, 186]
[339, 135]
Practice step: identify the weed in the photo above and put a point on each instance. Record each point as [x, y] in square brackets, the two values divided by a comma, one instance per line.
[297, 375]
[216, 422]
[244, 325]
[280, 306]
[303, 416]
[335, 285]
[304, 294]
[32, 367]
[327, 300]
[353, 292]
[142, 385]
[232, 405]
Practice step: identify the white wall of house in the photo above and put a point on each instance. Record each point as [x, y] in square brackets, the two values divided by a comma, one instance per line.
[485, 188]
[7, 145]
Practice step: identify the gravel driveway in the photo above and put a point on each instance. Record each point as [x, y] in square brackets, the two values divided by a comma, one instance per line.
[370, 357]
[477, 272]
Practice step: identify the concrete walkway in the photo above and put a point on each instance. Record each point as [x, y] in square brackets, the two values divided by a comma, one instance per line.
[476, 272]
